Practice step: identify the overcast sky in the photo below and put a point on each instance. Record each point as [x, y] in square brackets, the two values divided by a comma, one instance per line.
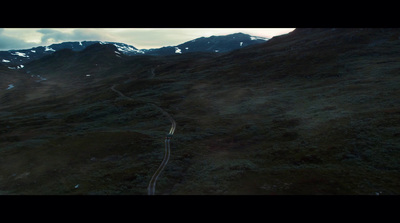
[141, 38]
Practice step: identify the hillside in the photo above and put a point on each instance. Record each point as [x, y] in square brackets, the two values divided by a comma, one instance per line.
[314, 111]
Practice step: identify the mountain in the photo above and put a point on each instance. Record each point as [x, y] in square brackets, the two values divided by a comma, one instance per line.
[15, 58]
[218, 44]
[314, 111]
[316, 52]
[66, 63]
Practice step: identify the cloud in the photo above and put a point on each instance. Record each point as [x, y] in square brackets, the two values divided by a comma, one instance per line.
[9, 42]
[153, 38]
[53, 35]
[24, 38]
[145, 38]
[141, 38]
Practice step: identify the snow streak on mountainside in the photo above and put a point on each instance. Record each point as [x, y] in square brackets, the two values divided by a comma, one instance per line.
[18, 57]
[216, 44]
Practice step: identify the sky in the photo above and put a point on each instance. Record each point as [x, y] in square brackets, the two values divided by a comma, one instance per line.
[141, 38]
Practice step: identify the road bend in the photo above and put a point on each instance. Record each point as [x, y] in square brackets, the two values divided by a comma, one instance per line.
[151, 189]
[152, 184]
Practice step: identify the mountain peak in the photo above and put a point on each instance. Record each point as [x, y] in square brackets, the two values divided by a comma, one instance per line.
[214, 44]
[100, 46]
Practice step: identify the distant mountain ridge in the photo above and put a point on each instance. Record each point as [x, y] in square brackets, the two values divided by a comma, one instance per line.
[95, 58]
[218, 44]
[15, 58]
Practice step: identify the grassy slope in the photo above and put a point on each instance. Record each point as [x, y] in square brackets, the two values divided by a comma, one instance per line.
[302, 130]
[291, 116]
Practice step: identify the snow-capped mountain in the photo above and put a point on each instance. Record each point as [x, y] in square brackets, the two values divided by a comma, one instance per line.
[15, 59]
[217, 44]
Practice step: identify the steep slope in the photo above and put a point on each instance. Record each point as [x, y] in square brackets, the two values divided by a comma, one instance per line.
[312, 53]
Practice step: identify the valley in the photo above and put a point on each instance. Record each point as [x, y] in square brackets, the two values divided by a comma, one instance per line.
[312, 112]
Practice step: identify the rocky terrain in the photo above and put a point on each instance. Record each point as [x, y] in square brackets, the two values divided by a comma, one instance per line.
[315, 111]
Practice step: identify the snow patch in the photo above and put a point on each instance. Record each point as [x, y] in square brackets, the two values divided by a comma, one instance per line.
[5, 61]
[33, 51]
[19, 54]
[241, 43]
[258, 38]
[80, 43]
[216, 51]
[41, 78]
[17, 67]
[177, 50]
[10, 86]
[126, 49]
[49, 49]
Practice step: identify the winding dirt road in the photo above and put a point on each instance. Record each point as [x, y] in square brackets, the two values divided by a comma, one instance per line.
[152, 184]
